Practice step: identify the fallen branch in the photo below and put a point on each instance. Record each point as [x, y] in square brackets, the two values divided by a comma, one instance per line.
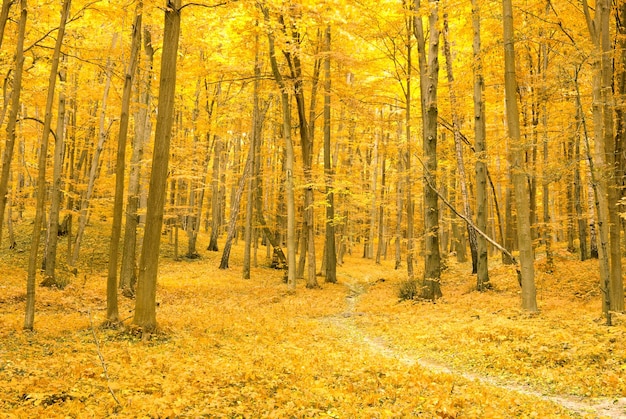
[427, 177]
[104, 365]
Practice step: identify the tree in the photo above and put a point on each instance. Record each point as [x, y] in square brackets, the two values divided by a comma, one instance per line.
[330, 252]
[94, 169]
[43, 154]
[482, 265]
[145, 305]
[128, 276]
[118, 204]
[7, 155]
[429, 73]
[524, 236]
[458, 146]
[603, 173]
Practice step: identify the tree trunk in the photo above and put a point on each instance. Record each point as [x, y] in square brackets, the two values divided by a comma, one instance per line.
[431, 287]
[7, 155]
[330, 256]
[399, 201]
[4, 16]
[216, 219]
[145, 305]
[529, 300]
[482, 265]
[234, 211]
[578, 204]
[257, 129]
[602, 171]
[43, 154]
[289, 161]
[128, 274]
[458, 147]
[95, 162]
[118, 204]
[50, 256]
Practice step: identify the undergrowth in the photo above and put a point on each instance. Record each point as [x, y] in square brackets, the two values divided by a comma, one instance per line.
[229, 347]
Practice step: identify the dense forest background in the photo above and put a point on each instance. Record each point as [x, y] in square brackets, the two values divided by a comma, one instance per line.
[394, 130]
[336, 209]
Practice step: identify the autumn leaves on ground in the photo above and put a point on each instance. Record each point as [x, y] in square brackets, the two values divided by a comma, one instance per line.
[236, 348]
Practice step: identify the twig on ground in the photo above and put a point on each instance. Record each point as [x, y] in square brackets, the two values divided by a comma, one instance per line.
[104, 365]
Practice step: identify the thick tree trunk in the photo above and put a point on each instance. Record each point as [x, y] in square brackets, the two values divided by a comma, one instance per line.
[145, 306]
[529, 300]
[431, 287]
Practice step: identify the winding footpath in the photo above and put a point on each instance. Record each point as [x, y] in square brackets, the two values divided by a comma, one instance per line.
[597, 407]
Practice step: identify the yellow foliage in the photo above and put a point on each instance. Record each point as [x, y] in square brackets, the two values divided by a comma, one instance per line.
[234, 348]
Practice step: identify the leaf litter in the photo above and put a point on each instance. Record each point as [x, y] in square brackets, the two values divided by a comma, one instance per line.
[233, 348]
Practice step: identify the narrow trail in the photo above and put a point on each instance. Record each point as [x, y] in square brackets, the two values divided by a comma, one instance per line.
[597, 407]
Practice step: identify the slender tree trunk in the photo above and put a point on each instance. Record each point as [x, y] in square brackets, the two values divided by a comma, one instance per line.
[256, 133]
[216, 219]
[381, 206]
[4, 16]
[234, 211]
[120, 168]
[482, 265]
[7, 155]
[399, 201]
[408, 181]
[289, 161]
[529, 299]
[458, 147]
[128, 274]
[330, 256]
[43, 153]
[49, 262]
[582, 221]
[145, 306]
[369, 250]
[95, 162]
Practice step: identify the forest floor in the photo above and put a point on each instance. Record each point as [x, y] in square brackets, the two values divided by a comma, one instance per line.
[234, 348]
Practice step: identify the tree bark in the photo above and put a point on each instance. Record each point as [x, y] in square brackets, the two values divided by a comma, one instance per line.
[429, 73]
[43, 153]
[128, 274]
[330, 273]
[458, 147]
[289, 160]
[145, 305]
[7, 155]
[529, 300]
[120, 168]
[95, 161]
[216, 219]
[49, 262]
[480, 137]
[234, 211]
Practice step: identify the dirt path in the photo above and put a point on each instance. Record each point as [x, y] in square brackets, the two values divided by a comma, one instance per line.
[597, 407]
